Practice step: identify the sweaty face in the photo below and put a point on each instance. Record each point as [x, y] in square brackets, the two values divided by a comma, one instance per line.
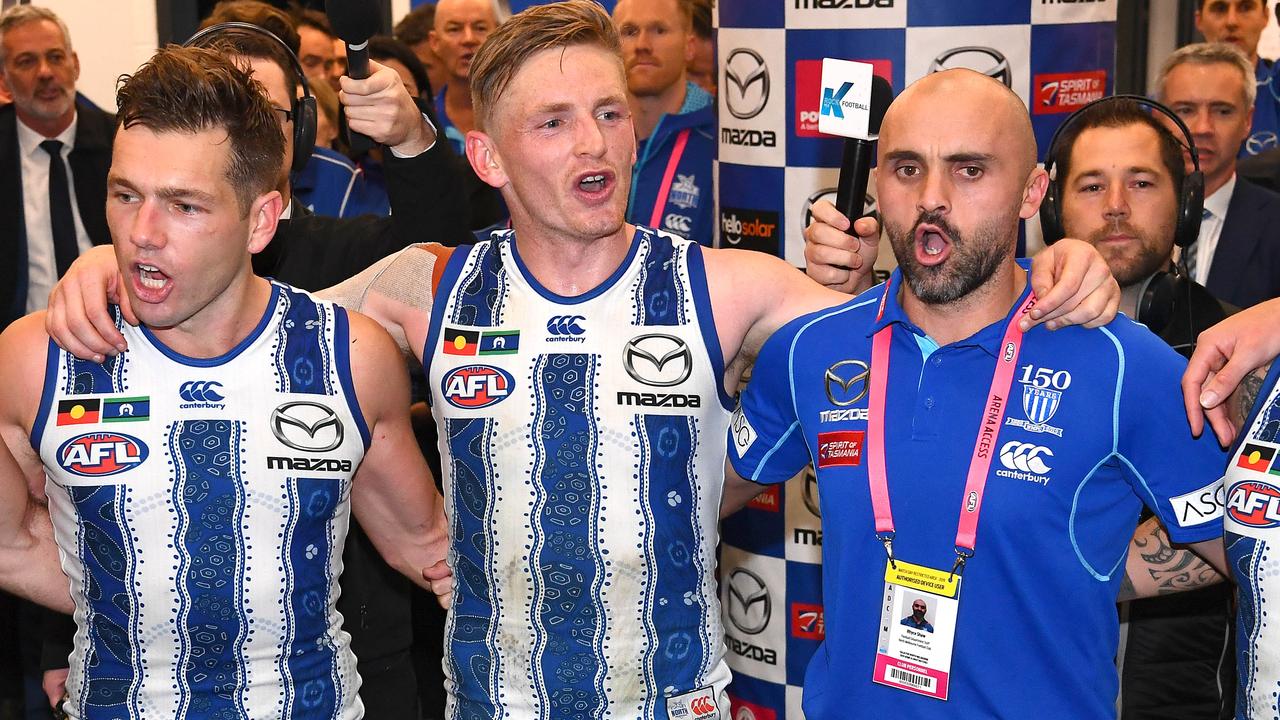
[1121, 199]
[656, 44]
[461, 26]
[1239, 22]
[179, 234]
[951, 193]
[1210, 99]
[40, 71]
[564, 141]
[316, 54]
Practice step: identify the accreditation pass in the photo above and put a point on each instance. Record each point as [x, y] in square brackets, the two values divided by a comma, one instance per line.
[917, 629]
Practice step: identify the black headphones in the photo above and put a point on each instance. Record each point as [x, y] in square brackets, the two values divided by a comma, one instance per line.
[1160, 291]
[302, 110]
[1190, 194]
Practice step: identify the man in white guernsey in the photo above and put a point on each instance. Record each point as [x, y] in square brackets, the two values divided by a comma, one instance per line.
[581, 371]
[200, 483]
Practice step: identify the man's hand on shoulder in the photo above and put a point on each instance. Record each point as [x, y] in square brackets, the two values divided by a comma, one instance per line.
[380, 107]
[834, 257]
[1073, 286]
[78, 318]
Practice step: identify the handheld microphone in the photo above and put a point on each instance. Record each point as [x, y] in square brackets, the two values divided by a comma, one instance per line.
[854, 101]
[355, 21]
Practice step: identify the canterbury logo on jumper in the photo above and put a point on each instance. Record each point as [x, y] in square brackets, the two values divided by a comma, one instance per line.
[566, 328]
[201, 391]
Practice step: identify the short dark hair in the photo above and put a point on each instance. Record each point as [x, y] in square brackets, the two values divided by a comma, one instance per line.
[312, 18]
[191, 90]
[253, 45]
[1117, 114]
[702, 18]
[257, 13]
[385, 47]
[417, 25]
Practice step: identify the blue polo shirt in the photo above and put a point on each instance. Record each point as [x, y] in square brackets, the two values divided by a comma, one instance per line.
[1094, 429]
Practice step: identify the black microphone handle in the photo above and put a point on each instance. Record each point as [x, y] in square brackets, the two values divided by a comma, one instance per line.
[358, 69]
[855, 171]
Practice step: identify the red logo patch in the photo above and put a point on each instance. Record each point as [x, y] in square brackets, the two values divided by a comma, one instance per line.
[767, 500]
[1067, 92]
[743, 710]
[807, 621]
[841, 447]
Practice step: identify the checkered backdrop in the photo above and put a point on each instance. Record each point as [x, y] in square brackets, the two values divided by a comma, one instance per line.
[1055, 54]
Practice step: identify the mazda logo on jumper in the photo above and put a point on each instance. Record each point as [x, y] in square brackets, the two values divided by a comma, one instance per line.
[565, 325]
[201, 391]
[988, 61]
[743, 71]
[307, 426]
[749, 603]
[847, 382]
[658, 360]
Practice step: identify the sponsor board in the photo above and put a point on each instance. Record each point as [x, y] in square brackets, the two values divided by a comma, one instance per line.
[807, 621]
[1047, 12]
[746, 229]
[826, 14]
[1067, 92]
[752, 96]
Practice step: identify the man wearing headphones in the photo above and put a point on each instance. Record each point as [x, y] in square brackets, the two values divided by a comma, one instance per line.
[1118, 182]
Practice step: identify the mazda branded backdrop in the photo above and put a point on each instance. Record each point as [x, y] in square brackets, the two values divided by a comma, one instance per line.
[1055, 54]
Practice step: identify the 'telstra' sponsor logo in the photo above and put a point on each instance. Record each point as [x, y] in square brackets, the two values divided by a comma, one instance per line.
[1067, 92]
[473, 387]
[840, 447]
[750, 229]
[807, 621]
[810, 95]
[101, 454]
[1255, 504]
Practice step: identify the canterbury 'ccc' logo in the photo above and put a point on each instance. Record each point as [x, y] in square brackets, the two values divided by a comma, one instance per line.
[307, 426]
[657, 359]
[201, 391]
[565, 325]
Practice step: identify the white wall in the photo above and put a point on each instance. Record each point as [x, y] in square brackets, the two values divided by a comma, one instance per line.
[111, 37]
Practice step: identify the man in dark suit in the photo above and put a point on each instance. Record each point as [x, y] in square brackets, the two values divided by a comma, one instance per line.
[54, 155]
[1237, 254]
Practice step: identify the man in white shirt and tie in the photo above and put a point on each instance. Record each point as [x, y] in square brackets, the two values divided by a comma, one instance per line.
[54, 156]
[1237, 254]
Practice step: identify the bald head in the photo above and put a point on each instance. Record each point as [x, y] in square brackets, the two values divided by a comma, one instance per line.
[964, 103]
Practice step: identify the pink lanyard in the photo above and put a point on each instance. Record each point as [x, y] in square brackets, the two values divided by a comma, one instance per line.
[665, 189]
[983, 448]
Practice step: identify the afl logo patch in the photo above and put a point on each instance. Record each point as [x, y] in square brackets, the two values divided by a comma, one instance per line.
[476, 386]
[1255, 504]
[101, 454]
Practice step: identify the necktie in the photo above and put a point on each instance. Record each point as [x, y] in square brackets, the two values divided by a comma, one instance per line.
[65, 249]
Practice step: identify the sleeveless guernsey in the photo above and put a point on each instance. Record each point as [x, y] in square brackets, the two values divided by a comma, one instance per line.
[583, 446]
[201, 508]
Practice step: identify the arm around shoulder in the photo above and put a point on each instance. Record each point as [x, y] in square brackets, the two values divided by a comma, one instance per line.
[394, 494]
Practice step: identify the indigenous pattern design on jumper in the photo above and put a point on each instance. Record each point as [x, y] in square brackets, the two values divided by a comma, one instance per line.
[201, 506]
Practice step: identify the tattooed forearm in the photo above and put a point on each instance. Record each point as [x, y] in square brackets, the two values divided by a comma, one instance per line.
[1246, 394]
[1158, 567]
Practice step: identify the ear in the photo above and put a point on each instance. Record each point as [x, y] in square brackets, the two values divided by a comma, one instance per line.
[1033, 193]
[75, 62]
[485, 160]
[690, 46]
[433, 39]
[264, 217]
